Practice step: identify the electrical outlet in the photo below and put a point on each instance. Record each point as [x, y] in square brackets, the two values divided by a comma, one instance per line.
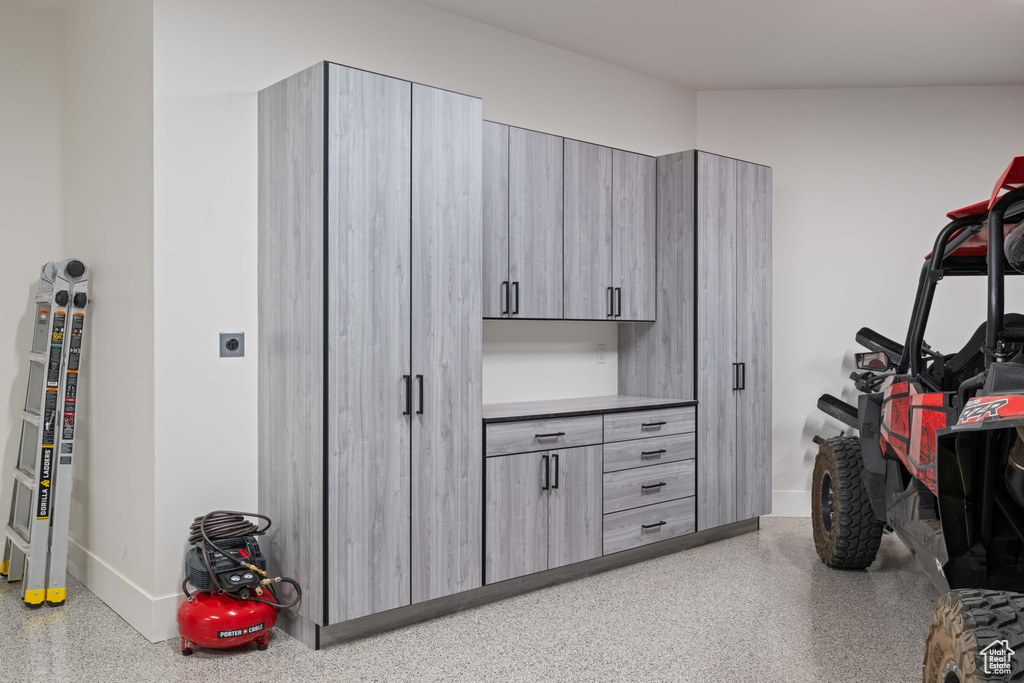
[232, 344]
[600, 353]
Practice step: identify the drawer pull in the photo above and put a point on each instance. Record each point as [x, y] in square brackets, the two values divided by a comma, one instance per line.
[647, 487]
[553, 435]
[651, 454]
[652, 526]
[645, 425]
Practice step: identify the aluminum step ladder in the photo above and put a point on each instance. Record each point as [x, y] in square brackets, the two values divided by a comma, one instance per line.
[37, 529]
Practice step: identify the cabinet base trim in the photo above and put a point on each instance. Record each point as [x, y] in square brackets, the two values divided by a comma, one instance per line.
[316, 636]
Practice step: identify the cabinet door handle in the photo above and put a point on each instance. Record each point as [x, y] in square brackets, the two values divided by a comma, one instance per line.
[743, 376]
[408, 394]
[646, 425]
[554, 457]
[505, 297]
[648, 487]
[651, 454]
[611, 302]
[515, 311]
[547, 473]
[419, 378]
[652, 526]
[553, 435]
[618, 298]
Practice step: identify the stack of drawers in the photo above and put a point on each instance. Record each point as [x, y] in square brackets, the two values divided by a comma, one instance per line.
[649, 477]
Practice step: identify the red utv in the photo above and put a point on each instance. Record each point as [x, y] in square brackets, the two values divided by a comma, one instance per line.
[940, 456]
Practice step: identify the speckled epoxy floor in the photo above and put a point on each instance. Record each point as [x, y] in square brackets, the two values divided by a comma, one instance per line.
[760, 607]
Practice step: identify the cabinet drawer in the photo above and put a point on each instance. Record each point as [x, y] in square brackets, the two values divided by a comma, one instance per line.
[645, 423]
[648, 485]
[623, 455]
[632, 528]
[505, 438]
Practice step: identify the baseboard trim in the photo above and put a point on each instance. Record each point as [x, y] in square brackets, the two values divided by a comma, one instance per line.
[154, 618]
[322, 636]
[791, 504]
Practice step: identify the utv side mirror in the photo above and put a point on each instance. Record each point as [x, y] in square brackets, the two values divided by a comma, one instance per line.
[1013, 247]
[876, 361]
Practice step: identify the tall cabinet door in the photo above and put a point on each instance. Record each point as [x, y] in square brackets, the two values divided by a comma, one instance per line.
[633, 236]
[535, 223]
[588, 231]
[753, 342]
[368, 342]
[716, 339]
[575, 522]
[447, 343]
[495, 221]
[516, 516]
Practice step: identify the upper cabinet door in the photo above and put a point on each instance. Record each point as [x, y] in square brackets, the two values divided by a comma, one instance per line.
[495, 221]
[447, 335]
[754, 342]
[588, 231]
[368, 336]
[633, 236]
[717, 372]
[535, 224]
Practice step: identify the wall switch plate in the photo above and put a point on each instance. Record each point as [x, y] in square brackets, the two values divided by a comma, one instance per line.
[232, 344]
[600, 353]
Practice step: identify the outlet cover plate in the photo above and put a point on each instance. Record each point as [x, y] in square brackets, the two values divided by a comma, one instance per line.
[600, 353]
[232, 344]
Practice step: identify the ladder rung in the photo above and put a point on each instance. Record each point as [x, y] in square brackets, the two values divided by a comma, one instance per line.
[17, 539]
[30, 417]
[24, 478]
[37, 358]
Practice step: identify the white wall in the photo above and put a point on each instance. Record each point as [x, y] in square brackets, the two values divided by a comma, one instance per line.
[108, 223]
[863, 180]
[30, 198]
[210, 61]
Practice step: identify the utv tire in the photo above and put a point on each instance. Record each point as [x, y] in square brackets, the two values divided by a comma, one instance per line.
[846, 532]
[966, 622]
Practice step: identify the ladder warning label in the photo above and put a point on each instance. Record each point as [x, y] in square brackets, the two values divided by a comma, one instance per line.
[56, 349]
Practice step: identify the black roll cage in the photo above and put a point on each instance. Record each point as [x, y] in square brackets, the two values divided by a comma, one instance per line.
[938, 265]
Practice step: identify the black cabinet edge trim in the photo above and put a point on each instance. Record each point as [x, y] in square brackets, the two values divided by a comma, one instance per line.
[592, 411]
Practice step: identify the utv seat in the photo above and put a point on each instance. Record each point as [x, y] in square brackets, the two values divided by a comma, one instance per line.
[970, 360]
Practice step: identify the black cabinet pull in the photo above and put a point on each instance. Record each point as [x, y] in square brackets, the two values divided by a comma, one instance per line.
[611, 301]
[648, 454]
[547, 473]
[652, 526]
[408, 394]
[739, 376]
[743, 376]
[647, 487]
[505, 296]
[645, 425]
[554, 457]
[618, 297]
[419, 378]
[516, 310]
[553, 435]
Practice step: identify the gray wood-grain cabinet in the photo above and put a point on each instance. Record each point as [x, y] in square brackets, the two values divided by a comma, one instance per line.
[496, 293]
[733, 339]
[610, 233]
[534, 224]
[588, 231]
[370, 339]
[712, 336]
[542, 511]
[633, 236]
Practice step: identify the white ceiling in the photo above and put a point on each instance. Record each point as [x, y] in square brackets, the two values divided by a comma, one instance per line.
[742, 44]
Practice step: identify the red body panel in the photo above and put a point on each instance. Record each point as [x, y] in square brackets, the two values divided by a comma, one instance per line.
[992, 407]
[209, 620]
[910, 419]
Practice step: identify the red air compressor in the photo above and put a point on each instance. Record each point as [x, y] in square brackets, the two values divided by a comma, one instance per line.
[236, 603]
